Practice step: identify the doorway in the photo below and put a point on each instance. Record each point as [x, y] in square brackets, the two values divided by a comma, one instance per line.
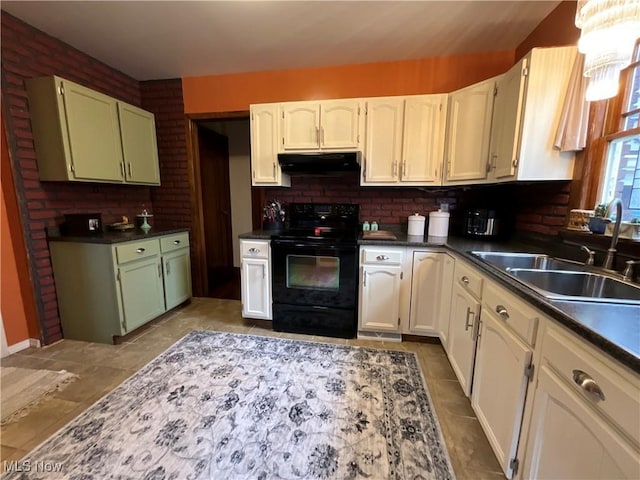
[223, 203]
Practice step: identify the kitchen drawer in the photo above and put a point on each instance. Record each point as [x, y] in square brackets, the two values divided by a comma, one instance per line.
[137, 250]
[379, 256]
[516, 314]
[170, 243]
[469, 279]
[564, 353]
[254, 248]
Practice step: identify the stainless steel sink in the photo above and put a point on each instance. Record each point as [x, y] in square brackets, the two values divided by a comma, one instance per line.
[508, 260]
[563, 279]
[579, 285]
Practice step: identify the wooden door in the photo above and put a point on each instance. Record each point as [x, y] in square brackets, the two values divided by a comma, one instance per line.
[213, 150]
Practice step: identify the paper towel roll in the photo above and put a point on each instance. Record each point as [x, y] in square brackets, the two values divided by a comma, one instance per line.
[416, 225]
[438, 224]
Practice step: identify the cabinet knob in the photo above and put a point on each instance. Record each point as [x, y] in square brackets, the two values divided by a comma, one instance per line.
[382, 257]
[254, 250]
[140, 250]
[502, 311]
[588, 384]
[464, 279]
[176, 242]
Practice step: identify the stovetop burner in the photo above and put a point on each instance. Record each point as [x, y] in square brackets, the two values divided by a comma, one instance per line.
[330, 223]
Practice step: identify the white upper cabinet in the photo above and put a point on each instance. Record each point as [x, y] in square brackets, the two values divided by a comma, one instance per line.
[383, 146]
[405, 140]
[265, 170]
[468, 133]
[324, 125]
[527, 111]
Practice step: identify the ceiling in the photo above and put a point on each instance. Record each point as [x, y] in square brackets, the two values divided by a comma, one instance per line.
[169, 39]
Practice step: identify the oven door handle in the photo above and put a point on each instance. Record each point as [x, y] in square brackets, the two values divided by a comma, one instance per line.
[318, 307]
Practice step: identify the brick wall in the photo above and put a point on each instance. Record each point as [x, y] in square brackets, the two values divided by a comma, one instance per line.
[28, 52]
[535, 208]
[172, 200]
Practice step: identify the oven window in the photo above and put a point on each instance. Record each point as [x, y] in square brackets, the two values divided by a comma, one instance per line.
[314, 272]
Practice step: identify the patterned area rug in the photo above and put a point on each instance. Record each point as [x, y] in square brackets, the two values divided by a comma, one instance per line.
[227, 406]
[23, 388]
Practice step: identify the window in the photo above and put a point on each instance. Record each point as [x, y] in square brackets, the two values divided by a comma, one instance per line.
[621, 178]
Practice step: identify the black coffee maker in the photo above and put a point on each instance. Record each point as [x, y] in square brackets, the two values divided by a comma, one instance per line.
[482, 223]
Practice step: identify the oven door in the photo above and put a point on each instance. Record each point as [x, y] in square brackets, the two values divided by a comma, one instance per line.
[314, 274]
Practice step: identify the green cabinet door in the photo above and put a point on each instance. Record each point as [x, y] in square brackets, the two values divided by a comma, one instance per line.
[141, 291]
[93, 132]
[138, 130]
[177, 277]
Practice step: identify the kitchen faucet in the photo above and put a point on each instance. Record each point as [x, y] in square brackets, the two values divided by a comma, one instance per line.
[611, 253]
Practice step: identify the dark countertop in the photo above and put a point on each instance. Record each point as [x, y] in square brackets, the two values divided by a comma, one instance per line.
[613, 328]
[115, 237]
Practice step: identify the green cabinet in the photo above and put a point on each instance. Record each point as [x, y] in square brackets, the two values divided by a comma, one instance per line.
[86, 136]
[176, 266]
[107, 290]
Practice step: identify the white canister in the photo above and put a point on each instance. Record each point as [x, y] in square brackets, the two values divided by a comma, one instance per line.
[416, 225]
[438, 224]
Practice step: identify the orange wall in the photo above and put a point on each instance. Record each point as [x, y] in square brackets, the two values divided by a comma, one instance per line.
[235, 92]
[556, 30]
[16, 297]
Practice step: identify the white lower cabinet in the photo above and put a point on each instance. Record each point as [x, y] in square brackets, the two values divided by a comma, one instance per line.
[255, 278]
[464, 321]
[585, 420]
[404, 290]
[429, 293]
[463, 324]
[380, 280]
[500, 382]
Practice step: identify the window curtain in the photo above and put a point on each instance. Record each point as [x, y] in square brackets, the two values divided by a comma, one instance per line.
[572, 129]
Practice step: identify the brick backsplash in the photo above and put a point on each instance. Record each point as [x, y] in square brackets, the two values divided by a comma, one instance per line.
[536, 207]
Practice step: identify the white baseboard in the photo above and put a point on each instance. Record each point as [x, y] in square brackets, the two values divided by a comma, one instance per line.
[23, 345]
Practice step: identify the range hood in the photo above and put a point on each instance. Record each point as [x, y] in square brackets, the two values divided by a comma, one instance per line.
[321, 163]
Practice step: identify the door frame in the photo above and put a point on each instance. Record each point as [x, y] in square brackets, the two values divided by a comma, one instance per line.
[198, 244]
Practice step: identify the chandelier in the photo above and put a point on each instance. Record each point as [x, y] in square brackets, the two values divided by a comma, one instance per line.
[609, 32]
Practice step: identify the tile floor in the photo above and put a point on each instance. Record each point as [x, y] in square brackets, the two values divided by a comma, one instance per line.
[102, 367]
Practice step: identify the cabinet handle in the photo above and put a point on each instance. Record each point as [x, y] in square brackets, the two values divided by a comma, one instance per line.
[404, 169]
[167, 267]
[364, 279]
[502, 311]
[588, 384]
[382, 257]
[464, 279]
[264, 271]
[254, 250]
[318, 135]
[176, 242]
[321, 136]
[274, 169]
[129, 165]
[140, 250]
[160, 270]
[395, 168]
[122, 172]
[468, 325]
